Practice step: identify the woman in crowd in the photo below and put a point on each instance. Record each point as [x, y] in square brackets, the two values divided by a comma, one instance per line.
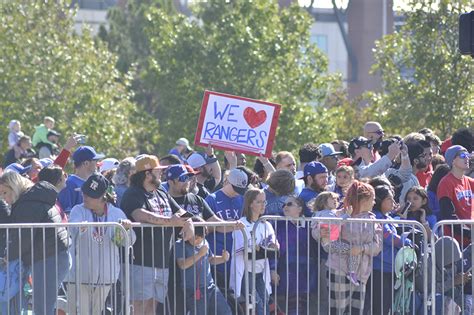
[382, 282]
[432, 188]
[295, 266]
[366, 241]
[262, 239]
[44, 251]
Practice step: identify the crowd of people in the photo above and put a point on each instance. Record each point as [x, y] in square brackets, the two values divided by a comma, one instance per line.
[316, 265]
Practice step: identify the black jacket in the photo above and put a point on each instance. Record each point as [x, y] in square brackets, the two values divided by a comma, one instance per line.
[36, 205]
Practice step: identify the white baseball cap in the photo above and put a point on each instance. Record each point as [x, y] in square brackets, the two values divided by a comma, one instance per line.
[108, 164]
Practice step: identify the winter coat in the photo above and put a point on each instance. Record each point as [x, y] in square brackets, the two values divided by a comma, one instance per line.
[36, 205]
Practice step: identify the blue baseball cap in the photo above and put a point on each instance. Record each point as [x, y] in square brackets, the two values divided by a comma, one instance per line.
[46, 162]
[314, 168]
[177, 171]
[86, 153]
[452, 152]
[327, 149]
[17, 168]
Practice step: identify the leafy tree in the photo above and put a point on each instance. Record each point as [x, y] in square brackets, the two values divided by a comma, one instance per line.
[253, 49]
[426, 82]
[46, 69]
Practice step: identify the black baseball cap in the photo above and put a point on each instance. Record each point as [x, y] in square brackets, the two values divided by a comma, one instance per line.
[95, 186]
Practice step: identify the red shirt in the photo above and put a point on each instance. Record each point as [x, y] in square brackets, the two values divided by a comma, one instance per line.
[424, 178]
[460, 193]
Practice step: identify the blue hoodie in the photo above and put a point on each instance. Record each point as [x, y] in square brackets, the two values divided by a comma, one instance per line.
[392, 242]
[71, 195]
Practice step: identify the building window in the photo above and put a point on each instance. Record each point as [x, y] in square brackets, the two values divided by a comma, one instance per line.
[321, 41]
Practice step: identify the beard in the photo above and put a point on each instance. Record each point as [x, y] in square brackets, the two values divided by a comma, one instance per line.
[421, 165]
[317, 188]
[155, 180]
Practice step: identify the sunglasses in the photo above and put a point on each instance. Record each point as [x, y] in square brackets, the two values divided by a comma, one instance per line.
[184, 178]
[464, 155]
[289, 204]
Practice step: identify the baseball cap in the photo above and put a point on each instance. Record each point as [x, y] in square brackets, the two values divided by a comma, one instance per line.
[184, 142]
[314, 168]
[177, 171]
[86, 153]
[345, 161]
[95, 186]
[17, 168]
[451, 153]
[327, 149]
[191, 170]
[199, 159]
[108, 164]
[148, 162]
[358, 142]
[46, 162]
[239, 181]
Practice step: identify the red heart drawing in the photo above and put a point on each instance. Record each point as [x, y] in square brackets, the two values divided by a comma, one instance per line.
[254, 118]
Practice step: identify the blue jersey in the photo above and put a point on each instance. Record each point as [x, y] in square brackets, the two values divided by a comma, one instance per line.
[228, 209]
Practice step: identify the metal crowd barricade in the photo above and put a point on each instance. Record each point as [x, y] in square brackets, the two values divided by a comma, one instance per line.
[307, 286]
[451, 267]
[154, 264]
[68, 268]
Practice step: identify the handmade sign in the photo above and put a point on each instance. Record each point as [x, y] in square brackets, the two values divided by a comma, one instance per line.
[237, 123]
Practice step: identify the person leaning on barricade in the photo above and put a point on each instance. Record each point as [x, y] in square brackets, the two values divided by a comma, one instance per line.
[144, 201]
[366, 241]
[41, 250]
[263, 242]
[95, 250]
[194, 257]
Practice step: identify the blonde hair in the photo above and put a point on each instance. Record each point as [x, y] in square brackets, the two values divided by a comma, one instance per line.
[321, 201]
[17, 183]
[48, 119]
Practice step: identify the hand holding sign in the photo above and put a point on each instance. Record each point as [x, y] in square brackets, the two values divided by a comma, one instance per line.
[237, 124]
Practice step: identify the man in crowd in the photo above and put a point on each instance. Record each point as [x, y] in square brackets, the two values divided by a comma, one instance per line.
[315, 180]
[281, 184]
[207, 168]
[455, 191]
[227, 204]
[46, 150]
[286, 161]
[374, 132]
[182, 147]
[361, 150]
[309, 152]
[330, 158]
[144, 201]
[422, 164]
[85, 164]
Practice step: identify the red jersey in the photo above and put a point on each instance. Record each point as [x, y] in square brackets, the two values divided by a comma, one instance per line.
[424, 178]
[460, 193]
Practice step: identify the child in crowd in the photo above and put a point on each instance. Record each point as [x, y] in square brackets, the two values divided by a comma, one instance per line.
[193, 258]
[344, 179]
[452, 278]
[325, 206]
[15, 133]
[41, 132]
[419, 209]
